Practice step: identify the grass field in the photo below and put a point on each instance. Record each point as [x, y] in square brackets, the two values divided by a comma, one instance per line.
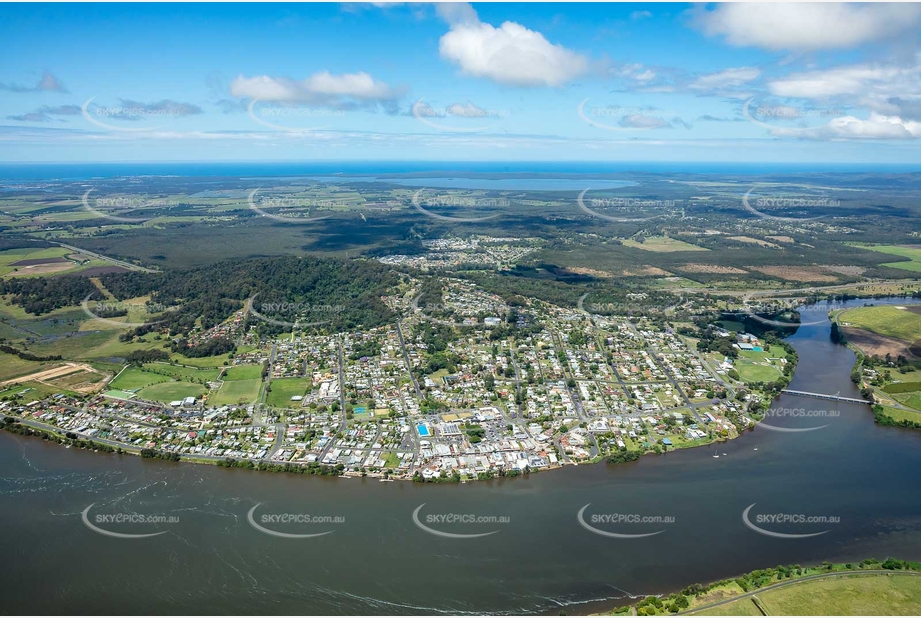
[243, 372]
[885, 320]
[188, 374]
[134, 378]
[14, 367]
[164, 392]
[236, 392]
[913, 253]
[902, 415]
[283, 389]
[663, 244]
[751, 367]
[912, 399]
[33, 391]
[857, 595]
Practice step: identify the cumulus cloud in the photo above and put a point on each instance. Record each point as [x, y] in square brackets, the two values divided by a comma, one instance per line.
[47, 83]
[887, 89]
[806, 26]
[457, 13]
[511, 54]
[323, 88]
[638, 15]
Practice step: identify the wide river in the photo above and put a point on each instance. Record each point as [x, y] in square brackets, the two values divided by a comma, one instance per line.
[374, 558]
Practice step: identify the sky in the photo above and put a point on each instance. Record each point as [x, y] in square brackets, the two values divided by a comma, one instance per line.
[791, 83]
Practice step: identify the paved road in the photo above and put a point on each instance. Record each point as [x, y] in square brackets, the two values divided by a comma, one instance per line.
[409, 366]
[105, 258]
[748, 595]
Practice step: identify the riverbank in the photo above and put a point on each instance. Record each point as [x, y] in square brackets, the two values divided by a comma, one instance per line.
[745, 595]
[892, 383]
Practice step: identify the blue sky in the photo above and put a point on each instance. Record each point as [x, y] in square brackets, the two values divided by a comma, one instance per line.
[419, 81]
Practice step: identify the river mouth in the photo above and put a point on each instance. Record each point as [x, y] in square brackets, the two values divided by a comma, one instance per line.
[523, 546]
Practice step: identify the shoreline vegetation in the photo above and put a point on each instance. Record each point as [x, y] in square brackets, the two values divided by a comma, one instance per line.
[698, 599]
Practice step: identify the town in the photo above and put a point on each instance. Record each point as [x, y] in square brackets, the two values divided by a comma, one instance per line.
[469, 389]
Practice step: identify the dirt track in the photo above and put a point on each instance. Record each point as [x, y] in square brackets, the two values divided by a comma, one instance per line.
[50, 374]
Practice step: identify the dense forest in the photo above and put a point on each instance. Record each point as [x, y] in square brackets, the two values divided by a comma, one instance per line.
[343, 294]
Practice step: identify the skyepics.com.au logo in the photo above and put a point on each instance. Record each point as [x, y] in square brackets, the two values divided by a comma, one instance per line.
[135, 116]
[456, 525]
[115, 525]
[785, 525]
[294, 208]
[292, 314]
[620, 525]
[628, 119]
[772, 117]
[106, 311]
[123, 208]
[626, 208]
[423, 203]
[289, 118]
[804, 204]
[758, 304]
[293, 525]
[776, 413]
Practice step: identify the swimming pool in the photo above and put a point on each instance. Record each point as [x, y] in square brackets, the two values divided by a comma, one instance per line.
[423, 430]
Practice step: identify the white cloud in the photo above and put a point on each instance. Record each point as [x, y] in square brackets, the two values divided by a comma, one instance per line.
[638, 15]
[865, 81]
[510, 54]
[806, 26]
[876, 126]
[321, 88]
[886, 89]
[726, 79]
[457, 13]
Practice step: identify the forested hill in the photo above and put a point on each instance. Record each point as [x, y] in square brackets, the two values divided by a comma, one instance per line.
[343, 294]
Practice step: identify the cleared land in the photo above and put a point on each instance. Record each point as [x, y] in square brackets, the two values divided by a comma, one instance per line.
[900, 323]
[884, 330]
[663, 244]
[912, 252]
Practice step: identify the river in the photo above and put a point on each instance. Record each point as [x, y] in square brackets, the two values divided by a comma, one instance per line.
[535, 556]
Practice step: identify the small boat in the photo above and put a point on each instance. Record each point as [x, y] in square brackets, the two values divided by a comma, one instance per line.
[386, 480]
[756, 448]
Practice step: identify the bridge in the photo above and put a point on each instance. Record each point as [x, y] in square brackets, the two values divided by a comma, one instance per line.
[823, 396]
